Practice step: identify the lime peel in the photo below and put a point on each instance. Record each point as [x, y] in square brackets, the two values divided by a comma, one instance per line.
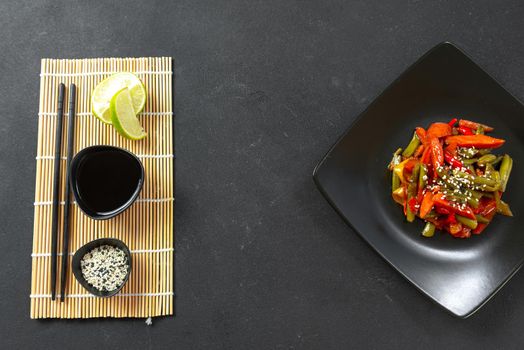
[123, 116]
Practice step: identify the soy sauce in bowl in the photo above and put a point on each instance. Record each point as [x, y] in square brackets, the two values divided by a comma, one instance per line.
[105, 180]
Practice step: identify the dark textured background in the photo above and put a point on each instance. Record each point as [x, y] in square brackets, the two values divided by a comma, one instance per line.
[263, 88]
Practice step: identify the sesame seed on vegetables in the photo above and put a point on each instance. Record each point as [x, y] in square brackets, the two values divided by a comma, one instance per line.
[449, 178]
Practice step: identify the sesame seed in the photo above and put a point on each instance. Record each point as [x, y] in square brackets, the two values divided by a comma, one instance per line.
[105, 267]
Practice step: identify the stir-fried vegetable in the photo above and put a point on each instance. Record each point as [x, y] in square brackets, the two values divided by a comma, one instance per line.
[448, 177]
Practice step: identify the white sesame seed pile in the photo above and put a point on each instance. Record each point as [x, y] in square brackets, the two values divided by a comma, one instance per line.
[105, 267]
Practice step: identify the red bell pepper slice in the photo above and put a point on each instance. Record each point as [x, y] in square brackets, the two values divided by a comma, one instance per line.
[426, 156]
[454, 162]
[405, 206]
[451, 219]
[474, 125]
[451, 149]
[426, 205]
[480, 227]
[419, 151]
[421, 133]
[437, 155]
[487, 208]
[478, 141]
[440, 201]
[413, 204]
[465, 130]
[452, 122]
[438, 130]
[408, 167]
[442, 210]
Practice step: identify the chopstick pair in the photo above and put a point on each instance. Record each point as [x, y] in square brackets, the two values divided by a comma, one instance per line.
[56, 188]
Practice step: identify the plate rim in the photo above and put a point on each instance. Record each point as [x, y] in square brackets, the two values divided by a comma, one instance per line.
[360, 116]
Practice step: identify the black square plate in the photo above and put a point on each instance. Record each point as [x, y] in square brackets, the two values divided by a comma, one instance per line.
[459, 274]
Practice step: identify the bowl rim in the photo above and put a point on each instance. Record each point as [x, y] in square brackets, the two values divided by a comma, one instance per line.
[73, 178]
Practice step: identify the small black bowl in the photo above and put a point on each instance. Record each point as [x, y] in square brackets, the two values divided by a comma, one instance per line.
[79, 254]
[105, 180]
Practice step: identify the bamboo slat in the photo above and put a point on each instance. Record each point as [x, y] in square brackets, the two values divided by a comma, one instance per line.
[146, 227]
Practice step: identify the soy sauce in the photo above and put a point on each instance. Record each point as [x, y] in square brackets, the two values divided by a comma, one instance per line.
[107, 180]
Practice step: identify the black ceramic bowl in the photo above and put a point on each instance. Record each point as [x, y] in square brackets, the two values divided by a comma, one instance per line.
[105, 180]
[79, 254]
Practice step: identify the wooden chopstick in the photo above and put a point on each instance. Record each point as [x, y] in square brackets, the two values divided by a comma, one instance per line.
[56, 187]
[70, 144]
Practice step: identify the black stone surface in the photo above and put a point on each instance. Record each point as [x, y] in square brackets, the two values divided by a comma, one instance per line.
[263, 89]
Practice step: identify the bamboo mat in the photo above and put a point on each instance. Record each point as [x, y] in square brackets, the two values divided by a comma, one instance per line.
[146, 227]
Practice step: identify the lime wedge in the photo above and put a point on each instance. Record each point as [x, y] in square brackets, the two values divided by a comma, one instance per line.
[106, 89]
[123, 116]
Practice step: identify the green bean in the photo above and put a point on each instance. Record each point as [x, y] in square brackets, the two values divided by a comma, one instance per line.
[474, 199]
[445, 177]
[487, 158]
[473, 202]
[465, 176]
[484, 151]
[496, 195]
[477, 180]
[422, 177]
[429, 230]
[489, 188]
[490, 173]
[486, 188]
[467, 152]
[459, 197]
[489, 169]
[412, 192]
[505, 171]
[441, 172]
[410, 216]
[476, 194]
[395, 182]
[415, 173]
[471, 168]
[412, 146]
[472, 224]
[497, 161]
[395, 159]
[480, 130]
[470, 161]
[503, 208]
[482, 219]
[480, 182]
[495, 175]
